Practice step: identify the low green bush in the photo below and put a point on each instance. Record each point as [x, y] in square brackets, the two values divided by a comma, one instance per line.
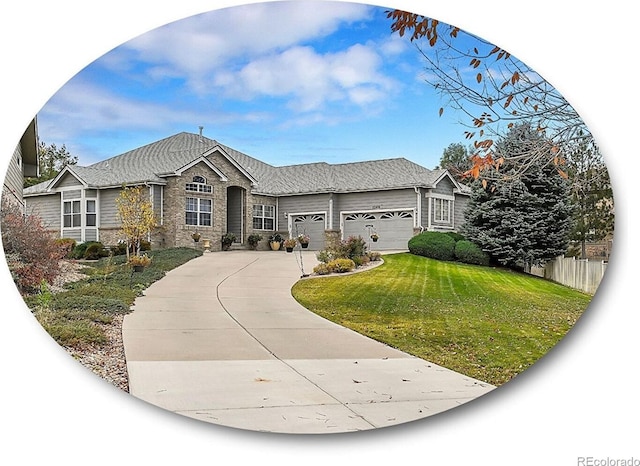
[94, 252]
[470, 253]
[84, 302]
[433, 244]
[456, 236]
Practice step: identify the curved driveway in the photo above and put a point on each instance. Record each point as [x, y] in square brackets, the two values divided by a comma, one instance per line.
[221, 339]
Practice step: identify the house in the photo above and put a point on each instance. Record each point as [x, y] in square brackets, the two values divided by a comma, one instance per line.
[23, 163]
[197, 184]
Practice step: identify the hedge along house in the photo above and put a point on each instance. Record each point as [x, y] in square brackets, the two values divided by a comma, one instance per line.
[196, 184]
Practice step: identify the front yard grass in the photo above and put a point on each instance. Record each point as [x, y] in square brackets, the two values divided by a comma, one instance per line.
[488, 323]
[74, 316]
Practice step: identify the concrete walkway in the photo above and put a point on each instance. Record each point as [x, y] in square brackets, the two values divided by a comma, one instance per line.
[221, 339]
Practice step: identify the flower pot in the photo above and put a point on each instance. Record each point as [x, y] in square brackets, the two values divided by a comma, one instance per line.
[304, 245]
[289, 249]
[138, 268]
[275, 245]
[375, 240]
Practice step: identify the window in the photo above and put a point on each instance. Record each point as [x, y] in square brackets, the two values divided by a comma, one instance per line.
[72, 218]
[91, 213]
[198, 185]
[264, 217]
[442, 210]
[198, 212]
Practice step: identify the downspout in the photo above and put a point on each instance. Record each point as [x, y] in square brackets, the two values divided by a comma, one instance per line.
[330, 225]
[418, 223]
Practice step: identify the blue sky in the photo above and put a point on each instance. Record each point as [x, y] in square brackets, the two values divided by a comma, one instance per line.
[285, 82]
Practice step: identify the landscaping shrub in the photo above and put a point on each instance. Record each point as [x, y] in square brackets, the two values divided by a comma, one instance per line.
[350, 248]
[341, 265]
[470, 253]
[361, 260]
[32, 253]
[322, 269]
[324, 256]
[67, 244]
[94, 251]
[374, 256]
[456, 236]
[433, 244]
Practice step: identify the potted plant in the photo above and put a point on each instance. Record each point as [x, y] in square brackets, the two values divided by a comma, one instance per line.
[195, 236]
[275, 241]
[289, 244]
[374, 237]
[253, 240]
[303, 240]
[139, 262]
[227, 240]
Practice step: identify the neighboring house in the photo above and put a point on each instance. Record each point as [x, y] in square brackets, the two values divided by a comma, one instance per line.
[23, 163]
[197, 184]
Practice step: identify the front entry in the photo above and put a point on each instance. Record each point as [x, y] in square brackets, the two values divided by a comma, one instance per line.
[235, 212]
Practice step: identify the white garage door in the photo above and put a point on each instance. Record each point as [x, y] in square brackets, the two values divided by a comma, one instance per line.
[394, 228]
[312, 225]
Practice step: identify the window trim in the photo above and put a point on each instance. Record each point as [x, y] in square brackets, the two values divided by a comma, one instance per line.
[263, 217]
[199, 212]
[442, 214]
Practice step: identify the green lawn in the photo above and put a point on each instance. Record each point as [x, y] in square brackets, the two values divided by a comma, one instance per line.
[488, 323]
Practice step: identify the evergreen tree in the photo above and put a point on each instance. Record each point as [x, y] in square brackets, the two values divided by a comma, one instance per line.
[591, 195]
[521, 220]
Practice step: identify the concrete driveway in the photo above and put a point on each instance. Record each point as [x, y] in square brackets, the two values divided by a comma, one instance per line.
[220, 339]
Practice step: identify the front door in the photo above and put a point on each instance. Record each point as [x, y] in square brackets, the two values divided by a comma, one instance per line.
[235, 212]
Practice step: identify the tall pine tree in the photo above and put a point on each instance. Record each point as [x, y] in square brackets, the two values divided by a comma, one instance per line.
[523, 220]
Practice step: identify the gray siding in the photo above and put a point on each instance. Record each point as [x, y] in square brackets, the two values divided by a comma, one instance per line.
[12, 188]
[108, 208]
[445, 186]
[301, 204]
[68, 180]
[72, 194]
[47, 208]
[75, 233]
[379, 200]
[460, 207]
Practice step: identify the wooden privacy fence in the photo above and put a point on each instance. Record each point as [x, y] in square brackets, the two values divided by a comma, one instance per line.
[581, 274]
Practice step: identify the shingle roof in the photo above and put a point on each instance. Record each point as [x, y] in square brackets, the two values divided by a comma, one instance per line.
[150, 162]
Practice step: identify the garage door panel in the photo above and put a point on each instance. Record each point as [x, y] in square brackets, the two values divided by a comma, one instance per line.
[394, 228]
[312, 225]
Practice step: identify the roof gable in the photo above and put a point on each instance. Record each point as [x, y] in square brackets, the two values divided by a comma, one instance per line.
[195, 162]
[219, 150]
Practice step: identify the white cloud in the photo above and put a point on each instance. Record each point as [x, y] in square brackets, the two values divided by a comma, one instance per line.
[310, 80]
[204, 43]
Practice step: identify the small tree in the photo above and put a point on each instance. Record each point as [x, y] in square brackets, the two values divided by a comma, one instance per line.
[136, 215]
[32, 253]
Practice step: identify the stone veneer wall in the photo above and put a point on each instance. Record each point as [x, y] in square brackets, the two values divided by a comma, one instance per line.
[177, 233]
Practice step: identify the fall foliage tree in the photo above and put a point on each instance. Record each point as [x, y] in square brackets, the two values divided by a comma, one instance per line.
[493, 91]
[136, 216]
